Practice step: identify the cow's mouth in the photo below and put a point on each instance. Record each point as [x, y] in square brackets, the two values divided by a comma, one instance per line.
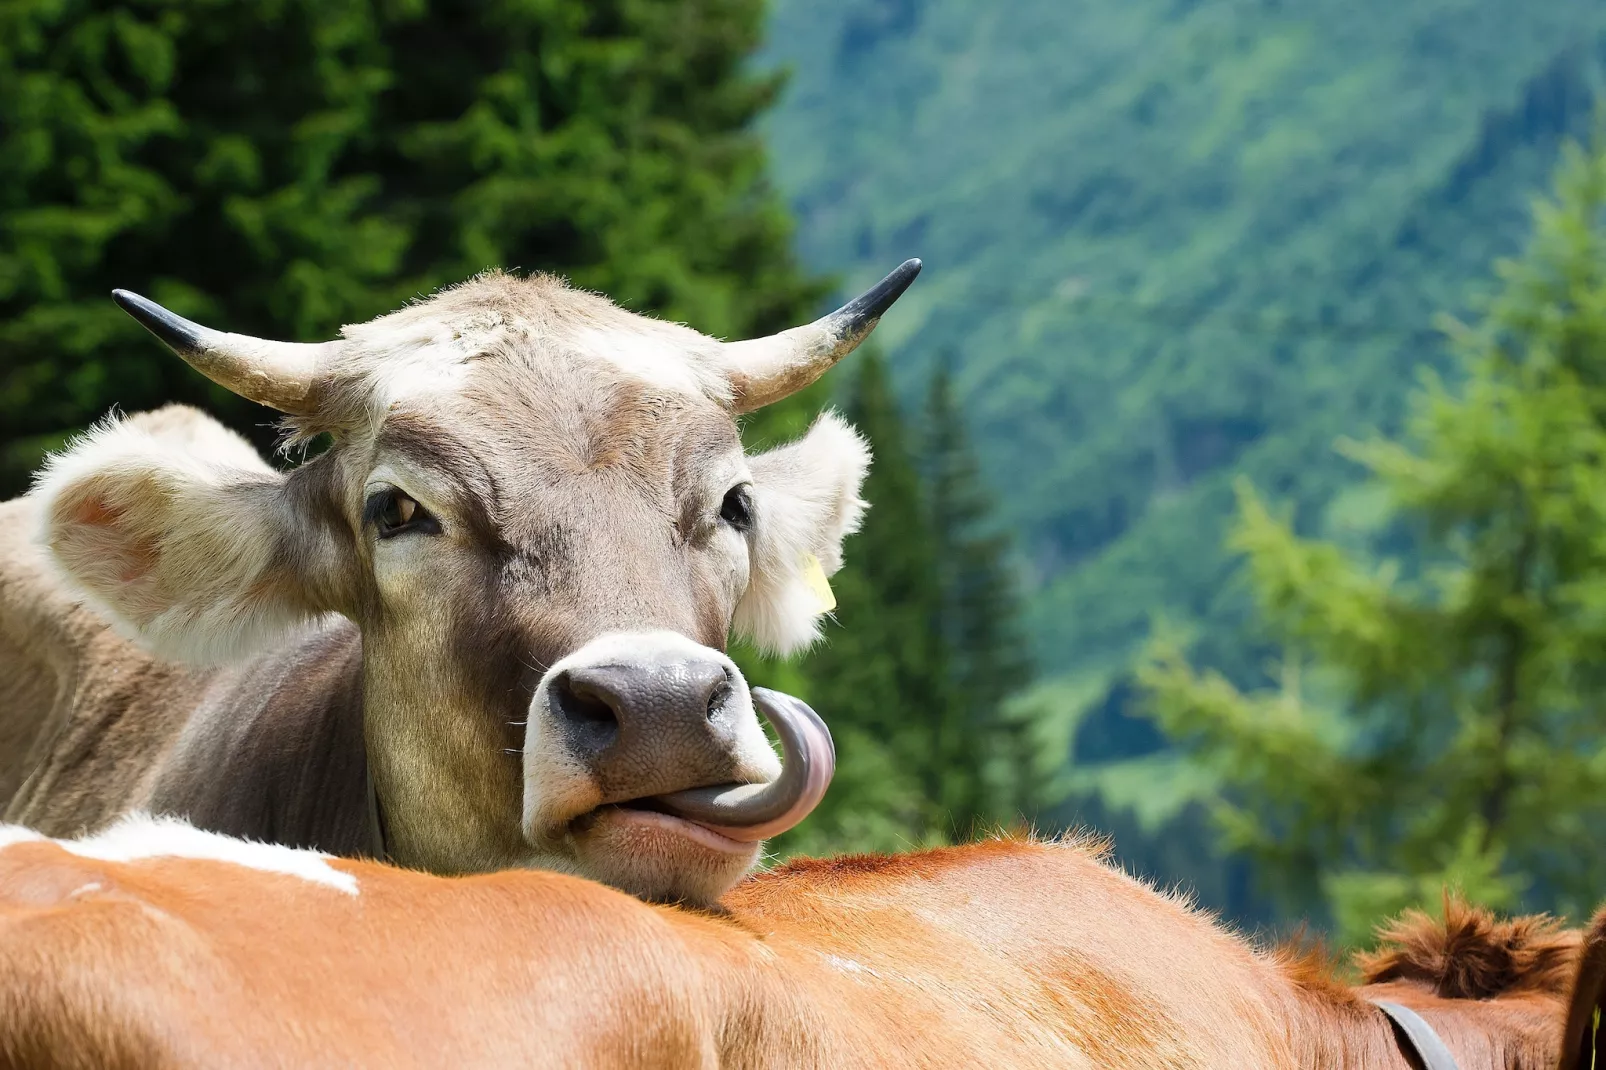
[736, 816]
[640, 815]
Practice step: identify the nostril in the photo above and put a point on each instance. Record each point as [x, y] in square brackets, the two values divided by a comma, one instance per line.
[718, 697]
[583, 703]
[584, 706]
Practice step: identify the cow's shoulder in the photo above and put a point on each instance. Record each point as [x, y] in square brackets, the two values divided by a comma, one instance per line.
[101, 962]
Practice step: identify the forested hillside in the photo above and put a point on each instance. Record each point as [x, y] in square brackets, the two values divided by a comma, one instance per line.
[1169, 244]
[1167, 241]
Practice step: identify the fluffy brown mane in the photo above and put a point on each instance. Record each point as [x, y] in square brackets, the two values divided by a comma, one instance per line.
[1310, 966]
[1473, 955]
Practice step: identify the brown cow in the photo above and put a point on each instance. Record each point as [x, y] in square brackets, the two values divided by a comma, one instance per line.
[1583, 1041]
[484, 629]
[158, 945]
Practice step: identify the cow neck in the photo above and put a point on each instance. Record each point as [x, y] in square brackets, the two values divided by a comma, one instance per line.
[444, 795]
[1334, 1025]
[376, 820]
[1417, 1036]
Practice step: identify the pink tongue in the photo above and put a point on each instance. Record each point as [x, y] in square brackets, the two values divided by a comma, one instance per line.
[750, 812]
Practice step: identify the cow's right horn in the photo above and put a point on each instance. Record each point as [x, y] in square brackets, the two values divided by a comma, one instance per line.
[277, 374]
[762, 371]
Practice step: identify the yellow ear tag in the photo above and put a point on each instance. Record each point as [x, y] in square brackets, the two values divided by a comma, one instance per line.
[814, 577]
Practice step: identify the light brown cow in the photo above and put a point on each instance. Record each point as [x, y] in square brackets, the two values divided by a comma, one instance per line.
[156, 945]
[516, 565]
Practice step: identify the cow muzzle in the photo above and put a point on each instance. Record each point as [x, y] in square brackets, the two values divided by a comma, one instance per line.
[645, 763]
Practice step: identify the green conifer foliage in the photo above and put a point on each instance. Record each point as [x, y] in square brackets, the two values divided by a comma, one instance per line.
[914, 684]
[285, 166]
[1444, 726]
[988, 659]
[879, 677]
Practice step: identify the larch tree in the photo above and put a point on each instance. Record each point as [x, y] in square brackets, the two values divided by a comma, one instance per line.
[1441, 724]
[988, 661]
[880, 677]
[915, 686]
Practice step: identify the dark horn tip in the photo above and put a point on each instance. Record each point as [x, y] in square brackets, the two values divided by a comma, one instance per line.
[176, 332]
[878, 298]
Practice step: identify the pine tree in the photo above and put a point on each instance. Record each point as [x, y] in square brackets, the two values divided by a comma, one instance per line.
[979, 622]
[1441, 725]
[284, 167]
[880, 679]
[913, 682]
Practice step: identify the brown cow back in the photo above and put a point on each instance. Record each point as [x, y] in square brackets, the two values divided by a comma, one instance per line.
[1004, 953]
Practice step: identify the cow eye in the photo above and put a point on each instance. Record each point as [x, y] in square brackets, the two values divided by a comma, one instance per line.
[737, 508]
[393, 512]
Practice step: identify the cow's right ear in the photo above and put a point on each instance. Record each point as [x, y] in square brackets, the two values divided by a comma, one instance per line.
[1583, 1038]
[806, 500]
[177, 531]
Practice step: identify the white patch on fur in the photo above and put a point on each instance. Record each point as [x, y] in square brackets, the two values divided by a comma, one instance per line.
[654, 360]
[170, 528]
[836, 962]
[557, 788]
[404, 357]
[426, 376]
[10, 834]
[141, 836]
[805, 501]
[843, 965]
[428, 346]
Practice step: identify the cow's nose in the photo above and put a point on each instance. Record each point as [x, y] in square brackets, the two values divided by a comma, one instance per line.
[631, 722]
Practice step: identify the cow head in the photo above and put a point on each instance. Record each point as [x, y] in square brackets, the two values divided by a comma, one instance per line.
[537, 509]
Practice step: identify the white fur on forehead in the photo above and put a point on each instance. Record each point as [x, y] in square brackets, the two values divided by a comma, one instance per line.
[426, 348]
[805, 502]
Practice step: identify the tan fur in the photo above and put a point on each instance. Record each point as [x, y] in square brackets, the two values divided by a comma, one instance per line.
[575, 456]
[429, 346]
[173, 539]
[1007, 953]
[71, 692]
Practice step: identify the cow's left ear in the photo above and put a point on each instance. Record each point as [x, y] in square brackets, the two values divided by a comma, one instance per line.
[1583, 1038]
[180, 535]
[805, 502]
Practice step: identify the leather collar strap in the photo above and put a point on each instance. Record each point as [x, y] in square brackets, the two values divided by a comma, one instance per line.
[1419, 1037]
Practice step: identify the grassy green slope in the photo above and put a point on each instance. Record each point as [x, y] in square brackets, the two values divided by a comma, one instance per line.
[1170, 242]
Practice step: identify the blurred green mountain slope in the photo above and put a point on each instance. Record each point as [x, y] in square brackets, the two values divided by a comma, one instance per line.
[1169, 243]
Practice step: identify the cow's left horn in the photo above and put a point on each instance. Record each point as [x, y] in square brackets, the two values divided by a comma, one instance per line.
[751, 812]
[277, 374]
[765, 370]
